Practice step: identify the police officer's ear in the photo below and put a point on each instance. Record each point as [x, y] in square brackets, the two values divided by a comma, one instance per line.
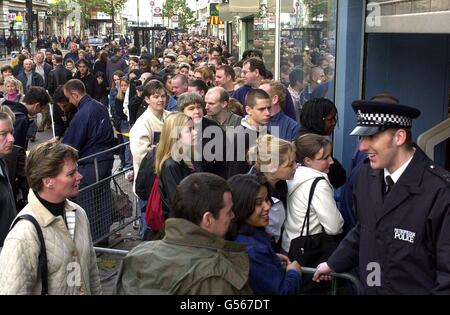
[399, 137]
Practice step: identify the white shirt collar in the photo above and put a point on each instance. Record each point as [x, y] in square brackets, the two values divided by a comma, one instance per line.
[396, 175]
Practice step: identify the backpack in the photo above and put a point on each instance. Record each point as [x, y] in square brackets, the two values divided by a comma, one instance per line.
[146, 175]
[154, 213]
[42, 258]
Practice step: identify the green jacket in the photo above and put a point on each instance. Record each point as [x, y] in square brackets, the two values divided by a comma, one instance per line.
[189, 260]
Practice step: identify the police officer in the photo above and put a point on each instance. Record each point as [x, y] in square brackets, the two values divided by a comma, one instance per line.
[402, 199]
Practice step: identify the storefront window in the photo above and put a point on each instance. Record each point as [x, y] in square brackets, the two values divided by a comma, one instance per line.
[308, 42]
[264, 32]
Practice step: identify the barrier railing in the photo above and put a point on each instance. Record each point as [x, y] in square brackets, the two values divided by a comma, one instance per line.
[352, 279]
[107, 200]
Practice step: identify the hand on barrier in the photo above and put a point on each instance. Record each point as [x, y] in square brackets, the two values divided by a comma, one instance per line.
[294, 266]
[323, 273]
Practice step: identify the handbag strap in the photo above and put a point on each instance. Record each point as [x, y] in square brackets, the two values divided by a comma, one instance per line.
[311, 194]
[42, 260]
[117, 187]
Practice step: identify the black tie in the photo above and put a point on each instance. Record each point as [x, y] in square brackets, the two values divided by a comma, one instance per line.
[389, 184]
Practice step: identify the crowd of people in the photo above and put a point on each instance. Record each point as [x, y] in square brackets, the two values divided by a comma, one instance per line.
[239, 169]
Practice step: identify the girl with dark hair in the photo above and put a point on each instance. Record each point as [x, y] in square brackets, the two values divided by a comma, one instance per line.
[319, 116]
[270, 273]
[275, 162]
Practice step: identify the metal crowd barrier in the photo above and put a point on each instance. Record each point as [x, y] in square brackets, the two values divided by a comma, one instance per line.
[305, 270]
[98, 198]
[352, 279]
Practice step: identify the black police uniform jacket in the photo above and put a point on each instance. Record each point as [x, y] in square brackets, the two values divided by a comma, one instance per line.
[407, 232]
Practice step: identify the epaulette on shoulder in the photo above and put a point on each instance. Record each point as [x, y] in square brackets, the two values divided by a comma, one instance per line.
[440, 172]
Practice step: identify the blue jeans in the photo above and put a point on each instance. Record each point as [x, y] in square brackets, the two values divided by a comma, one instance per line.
[125, 152]
[142, 205]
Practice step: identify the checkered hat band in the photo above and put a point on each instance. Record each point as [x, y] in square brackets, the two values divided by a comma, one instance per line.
[379, 119]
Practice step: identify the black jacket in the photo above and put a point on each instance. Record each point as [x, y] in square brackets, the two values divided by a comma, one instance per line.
[407, 233]
[136, 107]
[62, 119]
[217, 165]
[58, 76]
[7, 203]
[172, 174]
[21, 124]
[89, 83]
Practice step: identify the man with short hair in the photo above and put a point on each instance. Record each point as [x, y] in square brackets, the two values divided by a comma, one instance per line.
[63, 112]
[287, 128]
[115, 63]
[54, 49]
[41, 67]
[48, 57]
[194, 244]
[85, 76]
[36, 98]
[73, 54]
[7, 202]
[29, 77]
[216, 100]
[253, 72]
[199, 87]
[225, 77]
[296, 77]
[59, 75]
[258, 106]
[401, 243]
[214, 62]
[90, 132]
[214, 51]
[179, 86]
[316, 78]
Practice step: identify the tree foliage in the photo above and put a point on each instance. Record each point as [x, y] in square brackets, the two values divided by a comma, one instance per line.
[316, 7]
[111, 6]
[105, 6]
[60, 7]
[186, 17]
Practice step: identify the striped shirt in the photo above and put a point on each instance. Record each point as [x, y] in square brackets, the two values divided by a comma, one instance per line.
[70, 220]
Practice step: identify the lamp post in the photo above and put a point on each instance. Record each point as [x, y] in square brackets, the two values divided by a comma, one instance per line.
[29, 6]
[137, 12]
[112, 18]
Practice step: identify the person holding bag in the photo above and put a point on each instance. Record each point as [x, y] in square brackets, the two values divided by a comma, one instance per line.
[312, 214]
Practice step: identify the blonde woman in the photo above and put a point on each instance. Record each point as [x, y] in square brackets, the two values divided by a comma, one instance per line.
[13, 90]
[121, 124]
[274, 162]
[173, 155]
